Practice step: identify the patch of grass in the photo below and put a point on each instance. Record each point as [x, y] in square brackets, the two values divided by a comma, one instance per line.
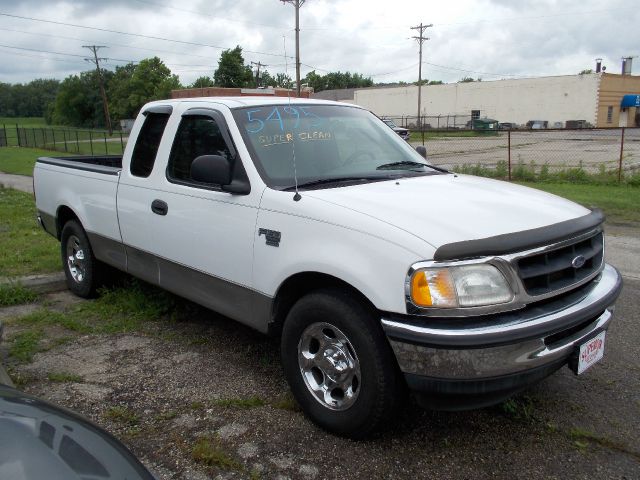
[619, 202]
[64, 377]
[23, 121]
[122, 415]
[197, 406]
[44, 316]
[416, 136]
[165, 416]
[24, 247]
[24, 345]
[125, 309]
[519, 408]
[20, 161]
[208, 451]
[242, 403]
[286, 403]
[15, 294]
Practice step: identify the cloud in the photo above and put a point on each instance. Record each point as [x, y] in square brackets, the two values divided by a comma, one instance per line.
[479, 38]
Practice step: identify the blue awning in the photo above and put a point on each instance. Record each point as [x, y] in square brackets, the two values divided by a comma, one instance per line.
[630, 101]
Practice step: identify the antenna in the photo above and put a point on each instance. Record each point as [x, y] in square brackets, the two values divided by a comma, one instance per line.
[296, 197]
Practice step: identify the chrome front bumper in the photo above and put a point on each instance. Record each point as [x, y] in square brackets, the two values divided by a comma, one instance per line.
[521, 343]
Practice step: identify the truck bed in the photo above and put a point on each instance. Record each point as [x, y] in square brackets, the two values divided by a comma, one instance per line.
[107, 164]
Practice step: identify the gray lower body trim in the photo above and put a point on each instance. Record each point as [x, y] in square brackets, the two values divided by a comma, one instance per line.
[48, 223]
[235, 301]
[109, 251]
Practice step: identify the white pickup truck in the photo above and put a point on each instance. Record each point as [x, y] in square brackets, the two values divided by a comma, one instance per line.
[315, 222]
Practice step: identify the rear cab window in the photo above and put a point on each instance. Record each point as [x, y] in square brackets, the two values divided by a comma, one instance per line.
[148, 142]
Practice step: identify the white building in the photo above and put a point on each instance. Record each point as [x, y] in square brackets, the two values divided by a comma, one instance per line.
[596, 98]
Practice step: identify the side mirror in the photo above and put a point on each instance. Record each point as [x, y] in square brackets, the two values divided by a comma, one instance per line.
[216, 170]
[213, 169]
[422, 151]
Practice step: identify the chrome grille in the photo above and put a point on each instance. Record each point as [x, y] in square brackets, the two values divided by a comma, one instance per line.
[552, 270]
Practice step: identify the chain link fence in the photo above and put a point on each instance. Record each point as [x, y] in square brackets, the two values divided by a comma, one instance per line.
[68, 140]
[436, 122]
[573, 155]
[605, 154]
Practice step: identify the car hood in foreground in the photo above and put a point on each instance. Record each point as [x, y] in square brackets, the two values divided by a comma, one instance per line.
[41, 441]
[443, 209]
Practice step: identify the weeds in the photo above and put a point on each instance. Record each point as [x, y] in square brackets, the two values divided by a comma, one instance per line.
[209, 452]
[122, 415]
[25, 345]
[64, 377]
[15, 294]
[519, 408]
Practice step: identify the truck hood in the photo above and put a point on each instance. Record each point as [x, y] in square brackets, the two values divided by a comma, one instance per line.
[442, 209]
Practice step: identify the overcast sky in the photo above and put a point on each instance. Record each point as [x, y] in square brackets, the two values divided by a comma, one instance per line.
[491, 39]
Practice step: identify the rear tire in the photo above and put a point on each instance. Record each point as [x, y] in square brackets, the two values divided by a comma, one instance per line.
[84, 273]
[339, 365]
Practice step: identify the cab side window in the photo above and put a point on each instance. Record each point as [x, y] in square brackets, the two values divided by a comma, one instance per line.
[147, 144]
[197, 135]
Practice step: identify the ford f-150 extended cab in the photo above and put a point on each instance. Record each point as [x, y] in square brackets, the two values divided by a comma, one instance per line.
[315, 222]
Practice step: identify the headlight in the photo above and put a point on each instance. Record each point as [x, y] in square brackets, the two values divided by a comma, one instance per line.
[463, 286]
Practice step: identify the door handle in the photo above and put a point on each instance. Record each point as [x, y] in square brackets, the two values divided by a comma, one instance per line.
[159, 207]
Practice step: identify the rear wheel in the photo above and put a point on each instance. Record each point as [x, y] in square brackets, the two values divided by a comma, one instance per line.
[339, 365]
[83, 272]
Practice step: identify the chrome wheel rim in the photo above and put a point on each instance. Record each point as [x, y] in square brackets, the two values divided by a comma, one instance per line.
[75, 259]
[329, 366]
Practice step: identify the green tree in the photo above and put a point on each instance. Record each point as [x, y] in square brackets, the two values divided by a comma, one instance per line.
[283, 80]
[27, 100]
[78, 102]
[337, 80]
[202, 82]
[231, 71]
[118, 90]
[134, 85]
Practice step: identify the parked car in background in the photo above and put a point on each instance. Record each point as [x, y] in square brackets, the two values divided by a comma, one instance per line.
[403, 132]
[537, 124]
[507, 126]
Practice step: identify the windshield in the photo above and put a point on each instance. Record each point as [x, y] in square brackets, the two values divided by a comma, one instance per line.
[389, 122]
[332, 144]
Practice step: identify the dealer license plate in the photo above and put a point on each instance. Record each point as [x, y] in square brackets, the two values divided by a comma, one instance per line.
[590, 352]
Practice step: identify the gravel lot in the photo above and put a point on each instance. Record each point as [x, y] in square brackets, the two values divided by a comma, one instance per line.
[203, 376]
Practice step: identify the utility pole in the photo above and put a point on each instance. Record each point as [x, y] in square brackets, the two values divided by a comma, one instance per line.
[96, 61]
[421, 39]
[297, 4]
[258, 65]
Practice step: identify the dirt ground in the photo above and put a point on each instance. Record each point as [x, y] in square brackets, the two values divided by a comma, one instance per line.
[204, 378]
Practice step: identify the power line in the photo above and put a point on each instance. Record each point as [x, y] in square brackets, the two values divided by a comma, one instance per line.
[155, 50]
[96, 60]
[258, 65]
[151, 37]
[200, 14]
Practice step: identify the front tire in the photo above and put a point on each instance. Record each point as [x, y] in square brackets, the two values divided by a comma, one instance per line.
[339, 365]
[82, 270]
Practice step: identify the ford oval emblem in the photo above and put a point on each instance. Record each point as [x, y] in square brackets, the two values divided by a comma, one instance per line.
[578, 262]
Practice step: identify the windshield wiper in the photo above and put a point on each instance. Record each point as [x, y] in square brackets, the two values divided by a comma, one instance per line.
[404, 163]
[327, 181]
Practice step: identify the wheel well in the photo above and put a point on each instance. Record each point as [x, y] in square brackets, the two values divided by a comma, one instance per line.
[63, 215]
[300, 284]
